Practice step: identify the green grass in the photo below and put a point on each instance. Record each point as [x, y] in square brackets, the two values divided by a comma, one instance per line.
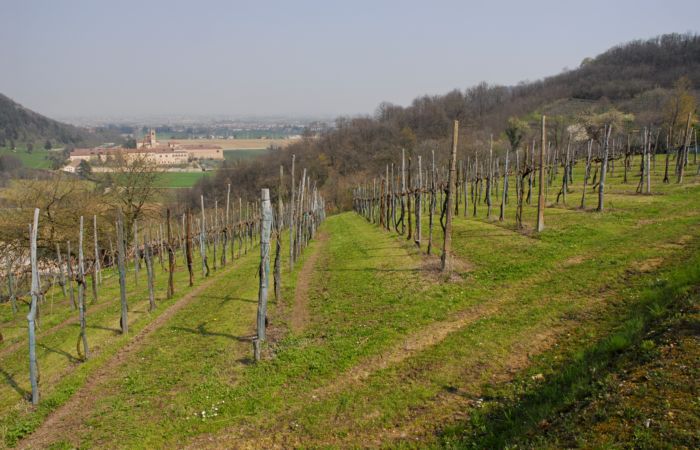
[180, 179]
[61, 371]
[373, 366]
[37, 159]
[578, 372]
[235, 155]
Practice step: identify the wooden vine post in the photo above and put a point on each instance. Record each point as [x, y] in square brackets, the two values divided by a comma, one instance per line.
[202, 242]
[171, 257]
[264, 270]
[432, 204]
[69, 269]
[603, 169]
[504, 193]
[418, 203]
[121, 263]
[447, 241]
[31, 317]
[278, 240]
[683, 153]
[136, 255]
[291, 220]
[61, 274]
[98, 264]
[82, 337]
[188, 245]
[648, 162]
[541, 181]
[10, 284]
[226, 226]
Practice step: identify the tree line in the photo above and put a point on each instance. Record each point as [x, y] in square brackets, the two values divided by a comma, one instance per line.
[639, 78]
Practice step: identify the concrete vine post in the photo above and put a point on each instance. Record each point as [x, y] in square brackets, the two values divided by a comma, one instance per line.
[121, 263]
[541, 181]
[31, 317]
[264, 270]
[447, 241]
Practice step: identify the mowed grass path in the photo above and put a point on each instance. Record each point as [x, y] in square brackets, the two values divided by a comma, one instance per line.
[391, 352]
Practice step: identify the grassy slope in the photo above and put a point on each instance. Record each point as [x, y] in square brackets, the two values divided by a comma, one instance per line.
[645, 393]
[62, 373]
[37, 159]
[372, 302]
[179, 179]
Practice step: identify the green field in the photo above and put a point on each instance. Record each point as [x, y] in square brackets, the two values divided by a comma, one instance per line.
[180, 179]
[37, 159]
[370, 346]
[234, 155]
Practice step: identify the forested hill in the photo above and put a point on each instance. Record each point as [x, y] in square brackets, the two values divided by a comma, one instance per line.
[20, 125]
[636, 77]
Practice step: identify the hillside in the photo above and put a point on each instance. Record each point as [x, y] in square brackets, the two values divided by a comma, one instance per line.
[20, 126]
[370, 347]
[635, 77]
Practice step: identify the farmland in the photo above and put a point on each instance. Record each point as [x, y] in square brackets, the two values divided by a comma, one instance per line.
[178, 180]
[371, 345]
[236, 144]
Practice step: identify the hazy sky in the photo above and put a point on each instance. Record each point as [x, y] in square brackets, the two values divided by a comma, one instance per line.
[131, 58]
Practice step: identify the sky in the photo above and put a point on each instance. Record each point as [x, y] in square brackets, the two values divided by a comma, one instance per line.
[126, 58]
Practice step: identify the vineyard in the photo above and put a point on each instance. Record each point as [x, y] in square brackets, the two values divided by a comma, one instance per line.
[464, 302]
